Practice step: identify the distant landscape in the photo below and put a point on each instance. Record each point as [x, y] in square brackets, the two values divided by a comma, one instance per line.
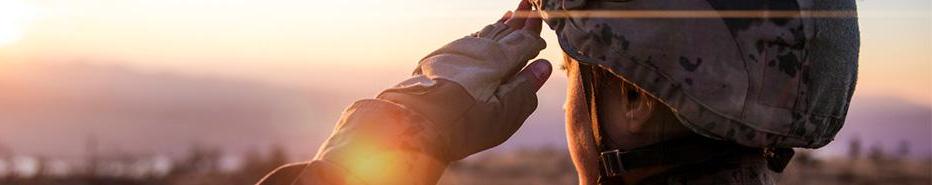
[74, 123]
[521, 166]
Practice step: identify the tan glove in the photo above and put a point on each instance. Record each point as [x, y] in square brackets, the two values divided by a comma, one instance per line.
[481, 62]
[464, 98]
[469, 90]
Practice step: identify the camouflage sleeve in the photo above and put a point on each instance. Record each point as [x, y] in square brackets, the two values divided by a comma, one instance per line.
[376, 141]
[309, 173]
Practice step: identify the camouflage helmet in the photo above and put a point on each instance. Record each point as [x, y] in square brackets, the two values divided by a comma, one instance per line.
[761, 73]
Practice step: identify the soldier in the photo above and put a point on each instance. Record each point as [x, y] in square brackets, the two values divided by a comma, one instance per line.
[660, 92]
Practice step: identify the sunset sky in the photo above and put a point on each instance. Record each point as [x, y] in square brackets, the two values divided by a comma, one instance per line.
[284, 40]
[356, 47]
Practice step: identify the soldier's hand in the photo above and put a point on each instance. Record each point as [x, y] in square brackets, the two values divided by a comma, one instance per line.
[474, 90]
[486, 59]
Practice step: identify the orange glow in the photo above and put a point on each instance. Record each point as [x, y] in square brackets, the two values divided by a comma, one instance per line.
[367, 163]
[15, 16]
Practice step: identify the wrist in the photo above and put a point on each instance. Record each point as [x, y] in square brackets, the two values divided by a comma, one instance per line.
[444, 104]
[439, 100]
[371, 165]
[380, 142]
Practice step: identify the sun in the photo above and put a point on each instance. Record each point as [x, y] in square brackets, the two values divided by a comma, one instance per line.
[15, 15]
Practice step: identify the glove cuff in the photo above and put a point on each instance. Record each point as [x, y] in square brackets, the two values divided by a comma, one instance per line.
[422, 94]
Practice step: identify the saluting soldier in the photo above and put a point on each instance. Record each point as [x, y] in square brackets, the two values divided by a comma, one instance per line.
[660, 92]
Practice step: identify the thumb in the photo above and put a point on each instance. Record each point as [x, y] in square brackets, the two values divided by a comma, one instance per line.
[528, 81]
[535, 73]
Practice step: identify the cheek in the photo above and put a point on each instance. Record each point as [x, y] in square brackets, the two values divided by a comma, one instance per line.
[579, 130]
[612, 112]
[581, 144]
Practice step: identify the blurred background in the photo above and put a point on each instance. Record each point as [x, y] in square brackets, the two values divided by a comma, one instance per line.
[206, 92]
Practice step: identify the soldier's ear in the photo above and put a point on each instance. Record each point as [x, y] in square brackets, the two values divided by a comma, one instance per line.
[640, 110]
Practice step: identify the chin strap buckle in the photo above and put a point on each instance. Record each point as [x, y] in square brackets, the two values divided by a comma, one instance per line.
[778, 158]
[611, 163]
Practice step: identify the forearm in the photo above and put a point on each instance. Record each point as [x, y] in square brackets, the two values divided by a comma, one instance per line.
[382, 142]
[375, 142]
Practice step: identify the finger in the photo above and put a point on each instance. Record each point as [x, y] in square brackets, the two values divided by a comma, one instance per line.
[520, 15]
[524, 5]
[533, 76]
[533, 24]
[505, 17]
[540, 70]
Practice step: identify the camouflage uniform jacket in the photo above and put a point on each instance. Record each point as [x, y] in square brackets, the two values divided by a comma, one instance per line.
[359, 119]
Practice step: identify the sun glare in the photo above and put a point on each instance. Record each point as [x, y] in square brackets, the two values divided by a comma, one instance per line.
[15, 15]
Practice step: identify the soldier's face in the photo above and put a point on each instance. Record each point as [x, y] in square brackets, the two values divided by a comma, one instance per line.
[628, 118]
